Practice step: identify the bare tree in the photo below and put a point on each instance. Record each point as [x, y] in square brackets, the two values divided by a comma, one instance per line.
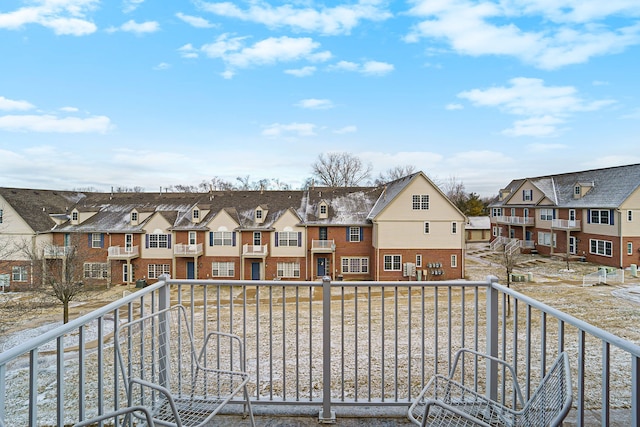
[394, 173]
[455, 191]
[340, 170]
[509, 259]
[58, 271]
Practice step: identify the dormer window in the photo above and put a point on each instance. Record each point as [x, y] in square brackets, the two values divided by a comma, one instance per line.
[259, 215]
[196, 215]
[581, 189]
[134, 217]
[576, 191]
[323, 211]
[74, 216]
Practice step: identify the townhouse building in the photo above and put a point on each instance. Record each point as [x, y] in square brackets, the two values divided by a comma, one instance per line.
[591, 215]
[404, 230]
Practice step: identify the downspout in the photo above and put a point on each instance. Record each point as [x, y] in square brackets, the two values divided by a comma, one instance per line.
[620, 236]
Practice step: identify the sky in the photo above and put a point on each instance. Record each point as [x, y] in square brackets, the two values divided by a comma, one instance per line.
[153, 93]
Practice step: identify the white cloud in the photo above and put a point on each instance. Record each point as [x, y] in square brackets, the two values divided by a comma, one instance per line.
[276, 130]
[346, 129]
[69, 109]
[9, 104]
[235, 54]
[188, 51]
[302, 72]
[64, 17]
[545, 107]
[370, 68]
[162, 66]
[54, 124]
[535, 126]
[132, 26]
[454, 106]
[326, 20]
[315, 104]
[131, 5]
[568, 31]
[195, 21]
[545, 148]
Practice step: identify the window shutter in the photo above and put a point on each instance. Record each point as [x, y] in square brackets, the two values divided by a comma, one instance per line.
[168, 241]
[276, 239]
[554, 213]
[588, 216]
[233, 238]
[89, 241]
[211, 238]
[611, 217]
[102, 240]
[361, 234]
[299, 239]
[348, 236]
[146, 240]
[524, 197]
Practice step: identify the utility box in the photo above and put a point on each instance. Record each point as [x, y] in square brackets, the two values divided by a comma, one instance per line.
[141, 283]
[634, 270]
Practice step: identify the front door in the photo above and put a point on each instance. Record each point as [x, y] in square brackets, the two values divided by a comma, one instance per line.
[125, 273]
[191, 270]
[322, 267]
[255, 271]
[572, 245]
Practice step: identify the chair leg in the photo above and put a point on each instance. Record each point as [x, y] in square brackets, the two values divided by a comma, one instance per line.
[247, 406]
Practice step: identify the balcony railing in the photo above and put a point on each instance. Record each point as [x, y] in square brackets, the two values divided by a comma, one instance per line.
[323, 246]
[359, 346]
[515, 220]
[181, 249]
[123, 252]
[255, 250]
[57, 251]
[566, 224]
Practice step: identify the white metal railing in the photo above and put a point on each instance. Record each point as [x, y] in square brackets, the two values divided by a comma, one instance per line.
[186, 249]
[57, 251]
[515, 220]
[323, 245]
[261, 250]
[324, 344]
[123, 251]
[566, 223]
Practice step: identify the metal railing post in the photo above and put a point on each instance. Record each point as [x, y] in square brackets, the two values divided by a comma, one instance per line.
[326, 416]
[635, 390]
[164, 302]
[492, 338]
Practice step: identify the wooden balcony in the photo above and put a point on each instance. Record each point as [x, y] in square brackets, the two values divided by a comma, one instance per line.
[184, 250]
[323, 246]
[255, 251]
[123, 252]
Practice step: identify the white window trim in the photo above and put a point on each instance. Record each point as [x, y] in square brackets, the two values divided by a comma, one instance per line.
[418, 260]
[454, 227]
[347, 265]
[629, 248]
[223, 269]
[607, 247]
[392, 262]
[454, 261]
[288, 270]
[156, 270]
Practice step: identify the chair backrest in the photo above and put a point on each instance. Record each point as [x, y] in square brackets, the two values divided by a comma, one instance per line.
[551, 401]
[159, 349]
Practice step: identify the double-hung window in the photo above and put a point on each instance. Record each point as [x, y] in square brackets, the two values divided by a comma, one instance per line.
[288, 269]
[601, 247]
[355, 265]
[600, 216]
[420, 202]
[95, 270]
[19, 273]
[546, 214]
[527, 195]
[223, 269]
[354, 234]
[156, 270]
[158, 240]
[392, 262]
[288, 238]
[221, 238]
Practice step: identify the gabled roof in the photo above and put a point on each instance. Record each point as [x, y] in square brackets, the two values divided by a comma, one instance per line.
[346, 205]
[36, 207]
[611, 187]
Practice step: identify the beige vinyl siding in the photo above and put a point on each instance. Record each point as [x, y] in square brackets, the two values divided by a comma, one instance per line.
[157, 222]
[287, 222]
[632, 203]
[222, 222]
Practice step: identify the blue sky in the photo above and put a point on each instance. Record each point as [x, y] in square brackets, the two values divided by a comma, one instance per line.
[153, 93]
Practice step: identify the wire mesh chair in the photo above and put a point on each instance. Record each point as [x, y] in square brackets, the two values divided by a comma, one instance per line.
[182, 384]
[445, 401]
[122, 417]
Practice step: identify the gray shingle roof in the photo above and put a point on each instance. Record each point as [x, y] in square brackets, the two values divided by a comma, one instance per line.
[611, 187]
